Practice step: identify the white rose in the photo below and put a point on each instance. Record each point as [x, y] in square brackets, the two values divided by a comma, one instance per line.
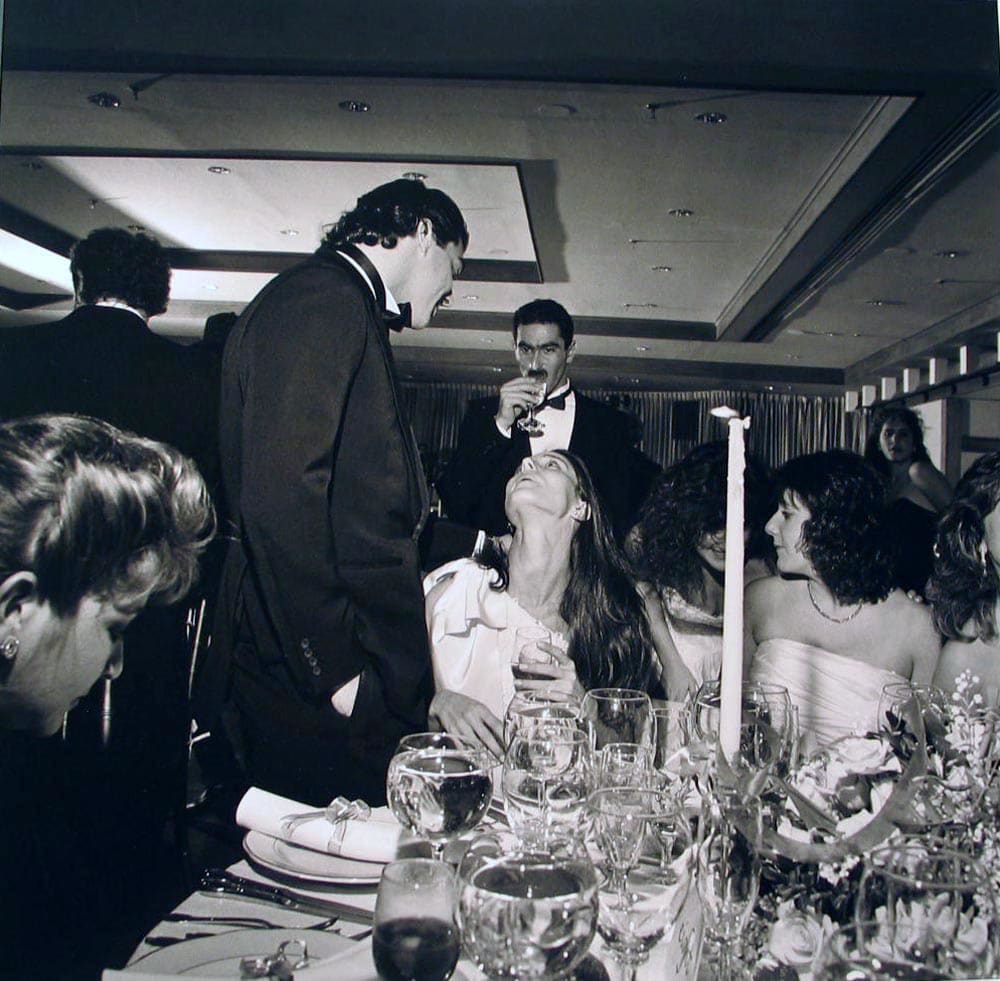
[863, 754]
[796, 937]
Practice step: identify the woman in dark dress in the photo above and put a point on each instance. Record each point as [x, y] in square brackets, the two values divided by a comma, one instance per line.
[918, 492]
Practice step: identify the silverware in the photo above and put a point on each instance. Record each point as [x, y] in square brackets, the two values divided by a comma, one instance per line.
[217, 882]
[249, 922]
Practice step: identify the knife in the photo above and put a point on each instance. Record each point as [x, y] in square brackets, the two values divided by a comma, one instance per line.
[216, 882]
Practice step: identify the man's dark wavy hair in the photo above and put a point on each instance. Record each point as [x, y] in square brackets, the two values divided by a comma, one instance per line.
[964, 585]
[687, 505]
[609, 639]
[843, 537]
[392, 212]
[873, 446]
[545, 312]
[113, 264]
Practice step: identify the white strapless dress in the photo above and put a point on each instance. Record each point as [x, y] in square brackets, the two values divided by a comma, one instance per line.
[835, 695]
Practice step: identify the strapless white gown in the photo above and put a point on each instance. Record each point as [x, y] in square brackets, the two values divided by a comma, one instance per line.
[835, 695]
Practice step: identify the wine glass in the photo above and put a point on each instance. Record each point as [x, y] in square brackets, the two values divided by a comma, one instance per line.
[936, 907]
[546, 777]
[624, 765]
[441, 791]
[617, 715]
[631, 926]
[416, 935]
[529, 422]
[527, 641]
[670, 741]
[526, 914]
[900, 701]
[534, 705]
[728, 868]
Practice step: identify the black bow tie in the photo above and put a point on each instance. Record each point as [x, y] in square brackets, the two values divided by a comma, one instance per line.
[398, 321]
[555, 402]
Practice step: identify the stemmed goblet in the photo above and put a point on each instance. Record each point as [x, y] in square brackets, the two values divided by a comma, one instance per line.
[529, 422]
[439, 787]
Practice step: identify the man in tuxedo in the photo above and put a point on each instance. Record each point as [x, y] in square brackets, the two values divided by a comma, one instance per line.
[492, 441]
[321, 638]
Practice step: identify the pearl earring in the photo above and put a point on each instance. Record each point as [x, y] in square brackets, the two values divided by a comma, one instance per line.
[10, 647]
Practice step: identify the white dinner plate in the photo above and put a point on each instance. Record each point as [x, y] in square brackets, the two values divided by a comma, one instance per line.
[308, 865]
[220, 956]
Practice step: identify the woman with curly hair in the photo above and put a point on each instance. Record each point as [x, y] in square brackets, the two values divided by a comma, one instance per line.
[678, 549]
[831, 626]
[965, 585]
[560, 569]
[918, 492]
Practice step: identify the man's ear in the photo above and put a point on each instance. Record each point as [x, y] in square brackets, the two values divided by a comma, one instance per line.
[16, 590]
[571, 351]
[425, 235]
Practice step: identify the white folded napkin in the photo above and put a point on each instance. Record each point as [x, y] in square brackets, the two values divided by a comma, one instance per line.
[372, 840]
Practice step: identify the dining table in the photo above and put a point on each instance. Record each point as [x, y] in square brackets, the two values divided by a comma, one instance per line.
[211, 931]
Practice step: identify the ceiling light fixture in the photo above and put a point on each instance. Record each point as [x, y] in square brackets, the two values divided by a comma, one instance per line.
[712, 118]
[641, 347]
[217, 169]
[136, 228]
[414, 175]
[556, 110]
[105, 100]
[661, 268]
[884, 303]
[640, 306]
[354, 105]
[470, 296]
[680, 213]
[949, 254]
[290, 232]
[211, 286]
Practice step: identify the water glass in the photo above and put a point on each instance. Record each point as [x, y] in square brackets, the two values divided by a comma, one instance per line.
[633, 922]
[527, 641]
[617, 715]
[440, 792]
[534, 705]
[526, 914]
[545, 781]
[416, 935]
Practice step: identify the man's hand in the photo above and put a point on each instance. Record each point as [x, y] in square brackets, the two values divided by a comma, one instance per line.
[516, 397]
[468, 719]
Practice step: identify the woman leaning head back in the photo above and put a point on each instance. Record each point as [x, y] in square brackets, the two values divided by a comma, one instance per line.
[840, 541]
[94, 523]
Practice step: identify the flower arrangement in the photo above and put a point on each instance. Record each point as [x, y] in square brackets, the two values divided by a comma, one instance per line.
[885, 797]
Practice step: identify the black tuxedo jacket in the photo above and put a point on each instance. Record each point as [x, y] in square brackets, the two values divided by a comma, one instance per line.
[324, 479]
[472, 486]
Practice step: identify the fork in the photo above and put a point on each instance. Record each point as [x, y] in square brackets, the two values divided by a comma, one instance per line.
[251, 922]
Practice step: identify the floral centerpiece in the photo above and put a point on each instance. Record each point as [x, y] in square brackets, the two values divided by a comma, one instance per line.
[851, 811]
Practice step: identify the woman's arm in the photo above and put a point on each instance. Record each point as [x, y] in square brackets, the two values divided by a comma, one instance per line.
[928, 479]
[676, 679]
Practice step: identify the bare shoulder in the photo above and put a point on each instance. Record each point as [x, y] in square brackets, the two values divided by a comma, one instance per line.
[932, 482]
[767, 594]
[978, 659]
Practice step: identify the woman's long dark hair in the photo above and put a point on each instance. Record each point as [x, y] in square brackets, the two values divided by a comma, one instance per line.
[873, 444]
[609, 639]
[964, 585]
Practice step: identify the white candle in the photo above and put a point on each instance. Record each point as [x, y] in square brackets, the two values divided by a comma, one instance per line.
[731, 685]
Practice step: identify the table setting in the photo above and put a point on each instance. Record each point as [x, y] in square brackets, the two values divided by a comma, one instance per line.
[622, 838]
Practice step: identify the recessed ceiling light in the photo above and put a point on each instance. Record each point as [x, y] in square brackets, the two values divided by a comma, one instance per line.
[290, 232]
[884, 303]
[640, 306]
[217, 169]
[414, 175]
[105, 100]
[641, 347]
[949, 254]
[499, 252]
[136, 228]
[712, 118]
[211, 287]
[469, 296]
[680, 213]
[496, 371]
[661, 268]
[556, 110]
[354, 105]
